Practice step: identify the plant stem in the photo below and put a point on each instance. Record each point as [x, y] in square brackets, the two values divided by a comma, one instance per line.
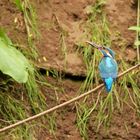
[137, 38]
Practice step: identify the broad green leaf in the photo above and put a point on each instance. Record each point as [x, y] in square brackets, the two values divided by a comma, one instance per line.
[135, 28]
[18, 4]
[13, 62]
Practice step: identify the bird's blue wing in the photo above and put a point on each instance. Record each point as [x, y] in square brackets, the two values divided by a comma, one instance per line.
[108, 68]
[110, 51]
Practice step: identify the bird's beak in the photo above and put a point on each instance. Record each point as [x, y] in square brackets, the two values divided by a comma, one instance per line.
[94, 45]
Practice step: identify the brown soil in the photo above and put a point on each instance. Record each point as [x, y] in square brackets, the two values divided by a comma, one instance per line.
[68, 15]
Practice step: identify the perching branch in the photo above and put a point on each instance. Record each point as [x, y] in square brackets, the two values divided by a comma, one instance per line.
[63, 104]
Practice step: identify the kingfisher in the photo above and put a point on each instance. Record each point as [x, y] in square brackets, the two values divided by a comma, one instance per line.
[108, 66]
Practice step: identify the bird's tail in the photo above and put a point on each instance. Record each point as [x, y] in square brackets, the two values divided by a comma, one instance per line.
[108, 83]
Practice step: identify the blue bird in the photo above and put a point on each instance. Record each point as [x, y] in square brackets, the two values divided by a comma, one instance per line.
[108, 66]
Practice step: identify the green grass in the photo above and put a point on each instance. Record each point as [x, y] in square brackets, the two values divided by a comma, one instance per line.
[18, 105]
[97, 30]
[52, 126]
[36, 98]
[13, 110]
[62, 41]
[105, 112]
[129, 88]
[84, 111]
[82, 119]
[29, 16]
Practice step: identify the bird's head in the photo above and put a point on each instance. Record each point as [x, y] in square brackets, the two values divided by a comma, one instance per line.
[103, 49]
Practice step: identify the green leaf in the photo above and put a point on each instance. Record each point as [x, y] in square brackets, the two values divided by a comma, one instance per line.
[4, 37]
[135, 28]
[18, 4]
[13, 62]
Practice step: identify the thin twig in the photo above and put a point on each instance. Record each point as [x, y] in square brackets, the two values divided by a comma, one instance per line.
[63, 104]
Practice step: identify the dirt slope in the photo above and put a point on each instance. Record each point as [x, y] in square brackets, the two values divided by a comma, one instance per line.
[60, 22]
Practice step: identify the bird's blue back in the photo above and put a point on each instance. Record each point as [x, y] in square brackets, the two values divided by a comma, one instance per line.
[108, 67]
[108, 70]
